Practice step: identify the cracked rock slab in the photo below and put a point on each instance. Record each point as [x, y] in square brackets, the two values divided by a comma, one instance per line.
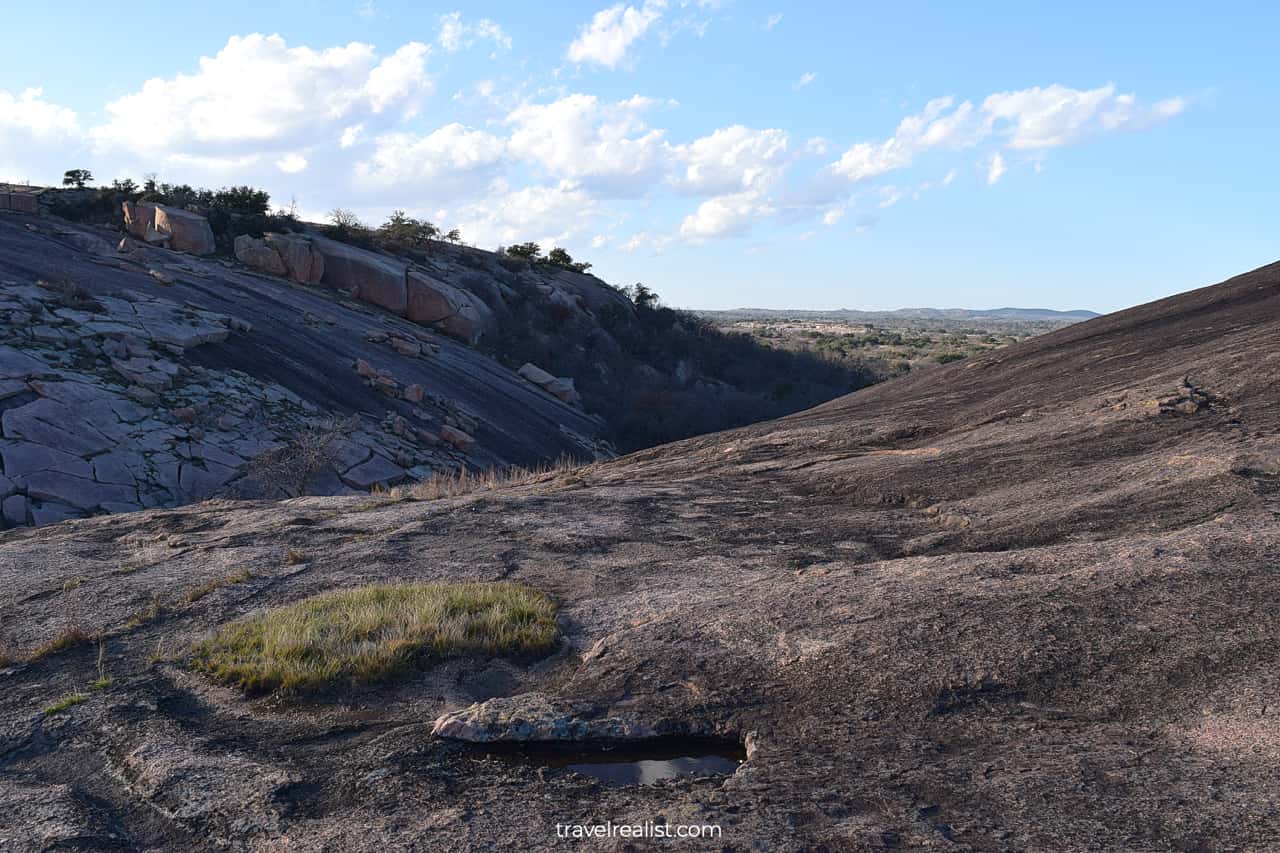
[532, 717]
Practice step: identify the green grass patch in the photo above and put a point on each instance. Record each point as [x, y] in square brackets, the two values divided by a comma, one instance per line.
[372, 633]
[64, 703]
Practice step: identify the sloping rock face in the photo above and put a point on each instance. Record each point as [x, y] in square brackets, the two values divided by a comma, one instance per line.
[1024, 602]
[158, 380]
[184, 231]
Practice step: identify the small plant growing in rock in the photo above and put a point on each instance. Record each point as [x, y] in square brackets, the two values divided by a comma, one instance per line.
[64, 703]
[293, 558]
[103, 681]
[372, 633]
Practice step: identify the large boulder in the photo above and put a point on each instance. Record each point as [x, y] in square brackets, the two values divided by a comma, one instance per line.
[454, 311]
[256, 253]
[185, 231]
[189, 232]
[304, 262]
[374, 278]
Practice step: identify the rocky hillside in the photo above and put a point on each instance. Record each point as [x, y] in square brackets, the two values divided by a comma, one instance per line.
[1025, 601]
[148, 370]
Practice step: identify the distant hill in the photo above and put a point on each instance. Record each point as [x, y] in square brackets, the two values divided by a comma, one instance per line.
[848, 314]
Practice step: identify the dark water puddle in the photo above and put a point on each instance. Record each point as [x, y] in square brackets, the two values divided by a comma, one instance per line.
[635, 762]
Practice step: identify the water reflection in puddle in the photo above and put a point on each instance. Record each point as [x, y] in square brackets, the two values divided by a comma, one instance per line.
[641, 762]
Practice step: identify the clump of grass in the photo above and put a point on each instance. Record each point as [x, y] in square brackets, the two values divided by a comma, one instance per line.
[565, 471]
[374, 632]
[156, 608]
[153, 611]
[126, 570]
[72, 584]
[67, 638]
[64, 703]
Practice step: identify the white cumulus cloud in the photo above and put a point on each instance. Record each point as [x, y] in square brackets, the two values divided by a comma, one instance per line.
[605, 145]
[725, 216]
[449, 160]
[1056, 115]
[731, 159]
[604, 40]
[259, 93]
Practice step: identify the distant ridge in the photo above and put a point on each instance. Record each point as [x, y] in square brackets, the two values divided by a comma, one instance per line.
[923, 313]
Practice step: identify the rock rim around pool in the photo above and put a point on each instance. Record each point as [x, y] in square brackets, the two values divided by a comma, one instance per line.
[536, 717]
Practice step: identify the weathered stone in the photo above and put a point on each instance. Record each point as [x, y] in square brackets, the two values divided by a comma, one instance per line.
[21, 457]
[161, 276]
[153, 374]
[52, 513]
[255, 253]
[139, 218]
[305, 264]
[414, 393]
[118, 467]
[198, 482]
[74, 491]
[432, 302]
[18, 365]
[142, 395]
[377, 471]
[456, 437]
[532, 717]
[535, 374]
[346, 454]
[36, 422]
[562, 387]
[12, 387]
[15, 510]
[375, 278]
[188, 232]
[407, 348]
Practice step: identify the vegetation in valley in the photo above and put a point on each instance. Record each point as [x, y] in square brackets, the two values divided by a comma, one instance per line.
[884, 344]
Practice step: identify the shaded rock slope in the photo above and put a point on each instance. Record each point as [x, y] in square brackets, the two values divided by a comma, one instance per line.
[145, 371]
[152, 378]
[1026, 601]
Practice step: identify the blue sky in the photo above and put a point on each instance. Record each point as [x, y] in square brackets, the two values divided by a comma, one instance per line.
[732, 153]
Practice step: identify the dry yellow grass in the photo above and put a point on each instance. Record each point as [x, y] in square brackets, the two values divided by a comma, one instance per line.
[565, 471]
[374, 632]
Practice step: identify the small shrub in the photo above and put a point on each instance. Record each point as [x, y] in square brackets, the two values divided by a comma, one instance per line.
[293, 558]
[64, 703]
[372, 633]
